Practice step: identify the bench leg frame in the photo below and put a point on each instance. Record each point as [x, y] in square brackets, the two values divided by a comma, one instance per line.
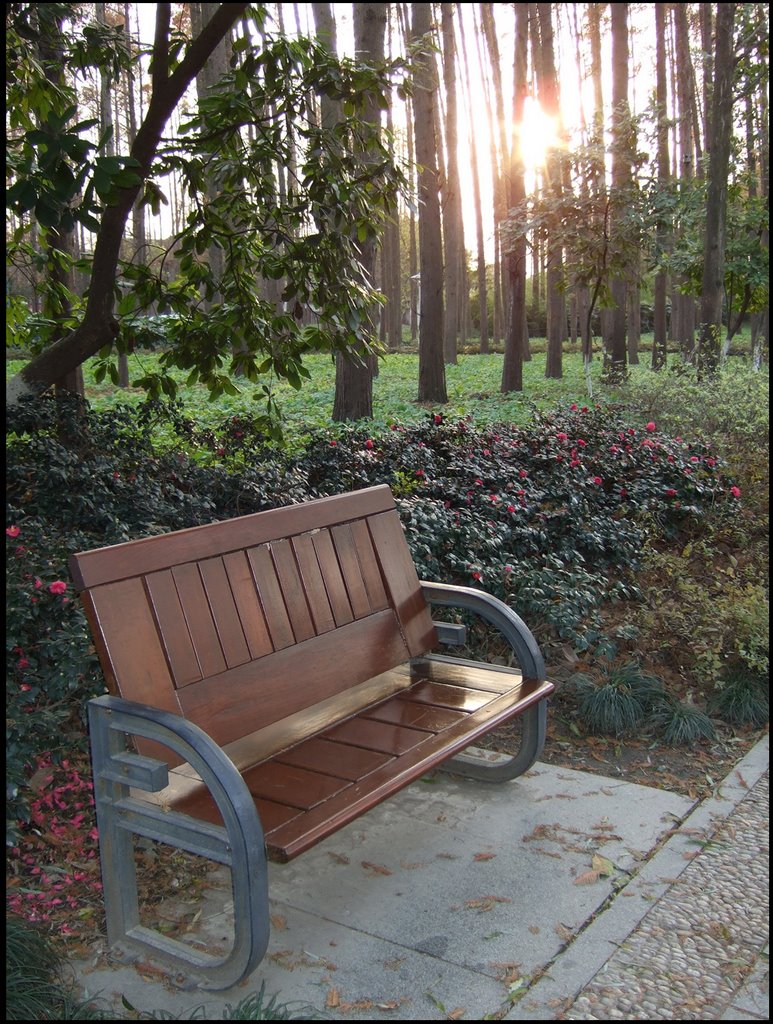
[120, 816]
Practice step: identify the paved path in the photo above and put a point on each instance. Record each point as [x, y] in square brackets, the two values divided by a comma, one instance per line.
[471, 901]
[700, 951]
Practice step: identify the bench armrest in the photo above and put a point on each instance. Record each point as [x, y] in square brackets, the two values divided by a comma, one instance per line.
[498, 614]
[240, 844]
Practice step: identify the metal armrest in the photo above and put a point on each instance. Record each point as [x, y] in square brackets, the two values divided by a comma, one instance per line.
[239, 844]
[496, 612]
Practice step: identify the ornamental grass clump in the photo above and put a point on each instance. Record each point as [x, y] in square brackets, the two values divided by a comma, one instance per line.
[742, 700]
[621, 702]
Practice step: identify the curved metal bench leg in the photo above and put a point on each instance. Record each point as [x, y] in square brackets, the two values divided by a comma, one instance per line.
[120, 816]
[532, 741]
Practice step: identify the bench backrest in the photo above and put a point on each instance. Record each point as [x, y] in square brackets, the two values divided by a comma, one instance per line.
[241, 623]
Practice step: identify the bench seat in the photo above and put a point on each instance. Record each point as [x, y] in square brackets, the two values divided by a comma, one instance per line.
[311, 789]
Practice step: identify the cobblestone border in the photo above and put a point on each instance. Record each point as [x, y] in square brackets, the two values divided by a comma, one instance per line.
[680, 940]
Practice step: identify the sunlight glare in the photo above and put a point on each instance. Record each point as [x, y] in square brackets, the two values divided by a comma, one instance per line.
[537, 135]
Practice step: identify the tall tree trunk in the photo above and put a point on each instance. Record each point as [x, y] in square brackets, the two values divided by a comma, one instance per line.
[684, 303]
[432, 379]
[712, 283]
[210, 74]
[512, 367]
[660, 326]
[621, 173]
[354, 377]
[481, 253]
[547, 82]
[452, 204]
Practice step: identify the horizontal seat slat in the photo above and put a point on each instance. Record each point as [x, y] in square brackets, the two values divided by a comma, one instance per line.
[353, 765]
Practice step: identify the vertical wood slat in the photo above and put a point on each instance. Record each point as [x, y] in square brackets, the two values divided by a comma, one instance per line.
[402, 582]
[248, 604]
[313, 583]
[369, 567]
[334, 581]
[350, 569]
[224, 612]
[173, 628]
[267, 583]
[292, 590]
[201, 625]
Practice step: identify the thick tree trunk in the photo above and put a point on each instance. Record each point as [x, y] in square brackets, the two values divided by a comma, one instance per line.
[432, 379]
[716, 198]
[354, 377]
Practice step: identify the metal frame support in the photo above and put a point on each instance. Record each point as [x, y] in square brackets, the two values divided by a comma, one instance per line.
[525, 647]
[239, 844]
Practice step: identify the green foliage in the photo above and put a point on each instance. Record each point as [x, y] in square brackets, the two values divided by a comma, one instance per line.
[33, 986]
[253, 1007]
[621, 702]
[742, 700]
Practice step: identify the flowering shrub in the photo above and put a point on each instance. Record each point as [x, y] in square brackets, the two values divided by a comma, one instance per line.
[553, 517]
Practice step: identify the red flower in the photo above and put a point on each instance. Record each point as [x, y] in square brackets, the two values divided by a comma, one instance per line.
[57, 587]
[670, 493]
[476, 575]
[573, 406]
[511, 508]
[597, 480]
[584, 408]
[562, 436]
[438, 419]
[736, 492]
[12, 531]
[523, 474]
[651, 426]
[369, 443]
[623, 492]
[582, 444]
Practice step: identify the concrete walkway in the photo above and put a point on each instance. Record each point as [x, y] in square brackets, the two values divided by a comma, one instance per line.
[561, 896]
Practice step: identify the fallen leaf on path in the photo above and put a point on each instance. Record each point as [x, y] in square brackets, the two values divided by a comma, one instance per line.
[375, 869]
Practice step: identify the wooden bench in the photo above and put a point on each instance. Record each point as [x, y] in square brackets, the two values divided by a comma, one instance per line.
[271, 679]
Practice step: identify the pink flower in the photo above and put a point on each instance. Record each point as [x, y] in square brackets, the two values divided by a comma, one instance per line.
[736, 492]
[581, 443]
[334, 444]
[369, 443]
[57, 587]
[574, 462]
[438, 419]
[651, 426]
[12, 531]
[38, 583]
[584, 408]
[562, 436]
[523, 474]
[511, 508]
[573, 406]
[419, 473]
[623, 492]
[670, 493]
[597, 480]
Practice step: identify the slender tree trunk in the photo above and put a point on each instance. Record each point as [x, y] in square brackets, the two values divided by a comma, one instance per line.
[548, 96]
[683, 302]
[452, 205]
[481, 254]
[621, 171]
[716, 198]
[512, 367]
[98, 327]
[432, 380]
[659, 339]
